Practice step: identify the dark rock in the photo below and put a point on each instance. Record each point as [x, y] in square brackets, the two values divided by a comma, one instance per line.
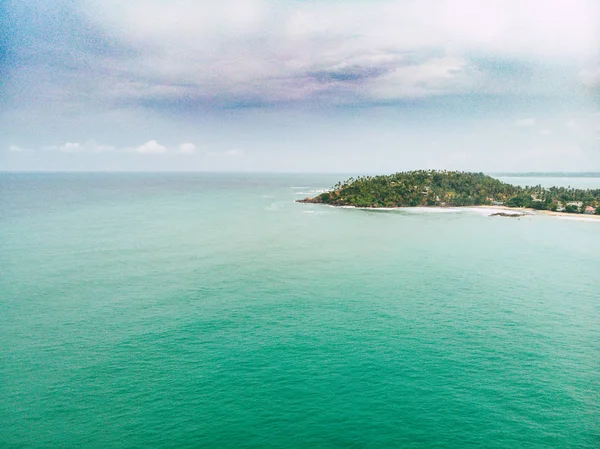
[504, 214]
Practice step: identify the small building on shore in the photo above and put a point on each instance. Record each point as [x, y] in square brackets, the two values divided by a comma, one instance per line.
[590, 210]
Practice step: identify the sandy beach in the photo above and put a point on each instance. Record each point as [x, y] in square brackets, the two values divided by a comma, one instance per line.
[528, 211]
[515, 211]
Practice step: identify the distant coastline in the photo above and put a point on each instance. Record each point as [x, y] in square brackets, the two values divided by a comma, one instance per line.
[546, 175]
[431, 188]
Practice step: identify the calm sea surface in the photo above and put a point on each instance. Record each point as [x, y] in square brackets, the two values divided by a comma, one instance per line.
[147, 310]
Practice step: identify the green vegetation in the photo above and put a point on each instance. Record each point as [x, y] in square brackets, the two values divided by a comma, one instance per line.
[452, 188]
[571, 209]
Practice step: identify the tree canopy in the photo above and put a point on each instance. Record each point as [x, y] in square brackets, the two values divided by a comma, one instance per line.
[450, 188]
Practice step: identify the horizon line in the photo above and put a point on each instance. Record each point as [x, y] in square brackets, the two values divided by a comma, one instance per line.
[491, 173]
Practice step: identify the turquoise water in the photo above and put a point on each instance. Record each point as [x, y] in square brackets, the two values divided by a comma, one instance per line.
[213, 311]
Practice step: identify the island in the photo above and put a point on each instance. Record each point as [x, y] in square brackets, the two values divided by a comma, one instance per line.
[432, 188]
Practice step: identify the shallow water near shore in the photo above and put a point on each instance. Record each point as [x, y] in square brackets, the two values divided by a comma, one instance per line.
[187, 310]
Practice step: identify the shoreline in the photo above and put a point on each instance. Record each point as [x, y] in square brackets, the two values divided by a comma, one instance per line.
[530, 211]
[515, 211]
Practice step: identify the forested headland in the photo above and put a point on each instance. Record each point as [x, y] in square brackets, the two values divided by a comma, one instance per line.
[453, 189]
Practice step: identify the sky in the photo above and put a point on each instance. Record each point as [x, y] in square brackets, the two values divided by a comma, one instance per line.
[355, 86]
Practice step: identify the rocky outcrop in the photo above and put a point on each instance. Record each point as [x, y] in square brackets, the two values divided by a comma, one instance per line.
[505, 214]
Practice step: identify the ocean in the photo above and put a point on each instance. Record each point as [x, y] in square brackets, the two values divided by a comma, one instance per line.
[211, 310]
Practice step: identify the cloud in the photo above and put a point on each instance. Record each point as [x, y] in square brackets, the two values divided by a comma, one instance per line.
[192, 55]
[434, 76]
[235, 153]
[545, 132]
[187, 148]
[70, 147]
[89, 146]
[526, 122]
[18, 149]
[151, 147]
[319, 71]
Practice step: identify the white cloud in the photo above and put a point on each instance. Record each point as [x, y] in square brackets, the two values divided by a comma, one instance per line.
[157, 65]
[438, 75]
[550, 28]
[70, 147]
[151, 147]
[274, 52]
[187, 148]
[545, 132]
[89, 146]
[526, 122]
[18, 149]
[235, 153]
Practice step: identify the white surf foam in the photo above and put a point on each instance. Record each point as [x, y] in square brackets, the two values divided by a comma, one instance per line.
[490, 211]
[588, 219]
